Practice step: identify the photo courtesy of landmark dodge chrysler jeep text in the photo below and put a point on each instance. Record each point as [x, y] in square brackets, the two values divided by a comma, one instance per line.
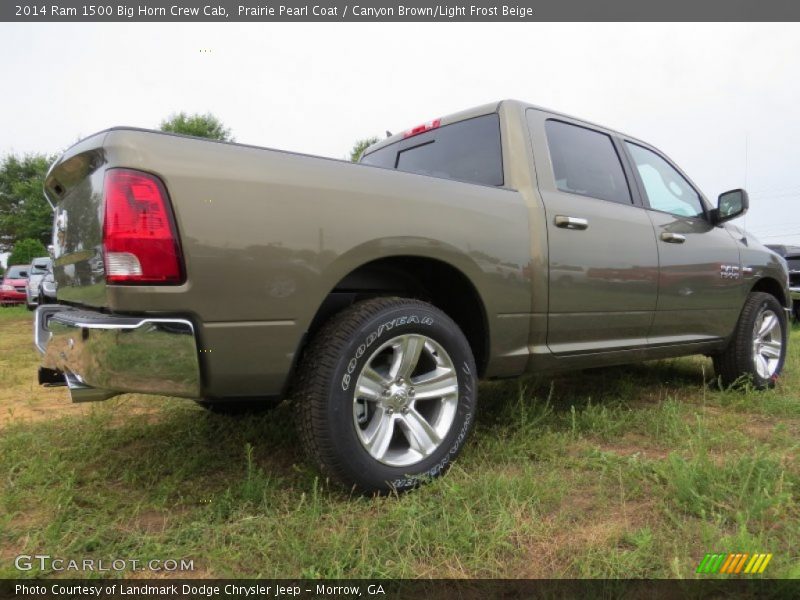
[501, 240]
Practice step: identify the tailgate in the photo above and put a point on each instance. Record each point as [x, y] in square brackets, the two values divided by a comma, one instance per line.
[74, 186]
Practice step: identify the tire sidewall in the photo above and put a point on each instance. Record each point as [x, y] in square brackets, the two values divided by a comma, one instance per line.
[406, 318]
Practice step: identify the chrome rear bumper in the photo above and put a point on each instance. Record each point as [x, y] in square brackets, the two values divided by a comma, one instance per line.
[103, 355]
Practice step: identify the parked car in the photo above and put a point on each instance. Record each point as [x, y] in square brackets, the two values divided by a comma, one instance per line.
[370, 293]
[12, 290]
[38, 271]
[47, 288]
[792, 256]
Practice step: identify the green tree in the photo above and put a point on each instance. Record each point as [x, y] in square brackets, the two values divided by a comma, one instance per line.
[24, 212]
[25, 251]
[360, 146]
[207, 126]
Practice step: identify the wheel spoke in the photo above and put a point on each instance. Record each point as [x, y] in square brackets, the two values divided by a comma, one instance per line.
[441, 382]
[421, 436]
[767, 325]
[762, 367]
[370, 384]
[407, 354]
[771, 349]
[379, 433]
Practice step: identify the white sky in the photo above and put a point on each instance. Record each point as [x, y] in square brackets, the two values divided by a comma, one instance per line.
[709, 95]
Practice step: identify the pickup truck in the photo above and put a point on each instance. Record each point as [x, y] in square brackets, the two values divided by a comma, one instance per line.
[498, 241]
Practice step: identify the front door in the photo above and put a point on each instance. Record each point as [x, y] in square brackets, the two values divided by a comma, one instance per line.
[700, 279]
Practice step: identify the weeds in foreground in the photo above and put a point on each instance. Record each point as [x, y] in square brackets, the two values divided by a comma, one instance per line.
[627, 472]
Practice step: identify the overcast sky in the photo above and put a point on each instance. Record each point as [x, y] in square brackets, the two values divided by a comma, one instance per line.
[722, 100]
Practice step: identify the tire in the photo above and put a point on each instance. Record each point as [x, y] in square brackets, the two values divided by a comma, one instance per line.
[361, 413]
[234, 407]
[757, 349]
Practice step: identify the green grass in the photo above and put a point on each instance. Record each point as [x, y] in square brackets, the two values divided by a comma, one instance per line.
[634, 471]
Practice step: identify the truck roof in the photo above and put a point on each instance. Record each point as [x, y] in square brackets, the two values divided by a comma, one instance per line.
[485, 109]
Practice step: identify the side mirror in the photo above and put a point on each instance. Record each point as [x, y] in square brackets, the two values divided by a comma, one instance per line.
[730, 205]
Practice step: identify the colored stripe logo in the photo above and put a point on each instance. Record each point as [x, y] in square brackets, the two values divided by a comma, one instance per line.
[734, 563]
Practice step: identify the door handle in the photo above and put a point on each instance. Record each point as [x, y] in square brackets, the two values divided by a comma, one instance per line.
[673, 238]
[571, 222]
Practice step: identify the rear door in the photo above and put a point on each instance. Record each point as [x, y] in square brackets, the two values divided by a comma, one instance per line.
[603, 261]
[700, 274]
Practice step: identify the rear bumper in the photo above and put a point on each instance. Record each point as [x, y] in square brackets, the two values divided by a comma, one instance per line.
[102, 355]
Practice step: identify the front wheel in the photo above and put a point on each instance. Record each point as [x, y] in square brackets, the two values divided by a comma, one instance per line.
[386, 395]
[757, 350]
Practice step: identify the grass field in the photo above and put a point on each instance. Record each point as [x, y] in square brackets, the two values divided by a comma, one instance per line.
[627, 472]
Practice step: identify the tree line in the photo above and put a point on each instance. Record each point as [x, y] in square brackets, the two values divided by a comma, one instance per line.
[26, 220]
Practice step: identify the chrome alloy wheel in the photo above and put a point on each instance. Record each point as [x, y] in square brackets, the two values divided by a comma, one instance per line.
[405, 400]
[767, 344]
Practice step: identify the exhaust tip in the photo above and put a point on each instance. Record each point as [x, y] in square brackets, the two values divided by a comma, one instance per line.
[51, 377]
[80, 392]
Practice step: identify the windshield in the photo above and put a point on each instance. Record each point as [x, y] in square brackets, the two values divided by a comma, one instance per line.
[39, 268]
[17, 272]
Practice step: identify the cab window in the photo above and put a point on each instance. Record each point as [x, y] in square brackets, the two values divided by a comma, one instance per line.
[468, 150]
[585, 162]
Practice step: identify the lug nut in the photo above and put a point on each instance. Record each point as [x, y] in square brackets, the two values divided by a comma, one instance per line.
[390, 411]
[411, 392]
[405, 411]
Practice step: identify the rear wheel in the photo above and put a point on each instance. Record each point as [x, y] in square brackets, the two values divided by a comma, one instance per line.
[757, 350]
[386, 395]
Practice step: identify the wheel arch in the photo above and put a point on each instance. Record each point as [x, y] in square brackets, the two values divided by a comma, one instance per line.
[771, 286]
[433, 279]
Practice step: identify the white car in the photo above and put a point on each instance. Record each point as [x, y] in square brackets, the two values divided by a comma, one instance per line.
[39, 268]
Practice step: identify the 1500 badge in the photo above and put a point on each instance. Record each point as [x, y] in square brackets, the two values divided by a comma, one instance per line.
[729, 271]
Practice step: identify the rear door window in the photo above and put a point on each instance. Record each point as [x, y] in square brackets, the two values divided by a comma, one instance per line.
[465, 151]
[585, 162]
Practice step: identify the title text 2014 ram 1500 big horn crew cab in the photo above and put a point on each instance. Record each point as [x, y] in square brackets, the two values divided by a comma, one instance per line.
[497, 241]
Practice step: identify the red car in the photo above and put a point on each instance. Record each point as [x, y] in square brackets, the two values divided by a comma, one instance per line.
[12, 291]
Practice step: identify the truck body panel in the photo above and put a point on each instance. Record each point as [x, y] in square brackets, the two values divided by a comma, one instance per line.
[268, 237]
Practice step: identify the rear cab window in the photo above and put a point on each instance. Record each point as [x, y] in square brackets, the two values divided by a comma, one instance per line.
[468, 151]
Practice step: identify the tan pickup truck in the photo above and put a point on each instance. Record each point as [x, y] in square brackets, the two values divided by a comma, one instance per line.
[501, 240]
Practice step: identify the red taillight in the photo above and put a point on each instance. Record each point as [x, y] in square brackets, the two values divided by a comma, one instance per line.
[422, 128]
[139, 238]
